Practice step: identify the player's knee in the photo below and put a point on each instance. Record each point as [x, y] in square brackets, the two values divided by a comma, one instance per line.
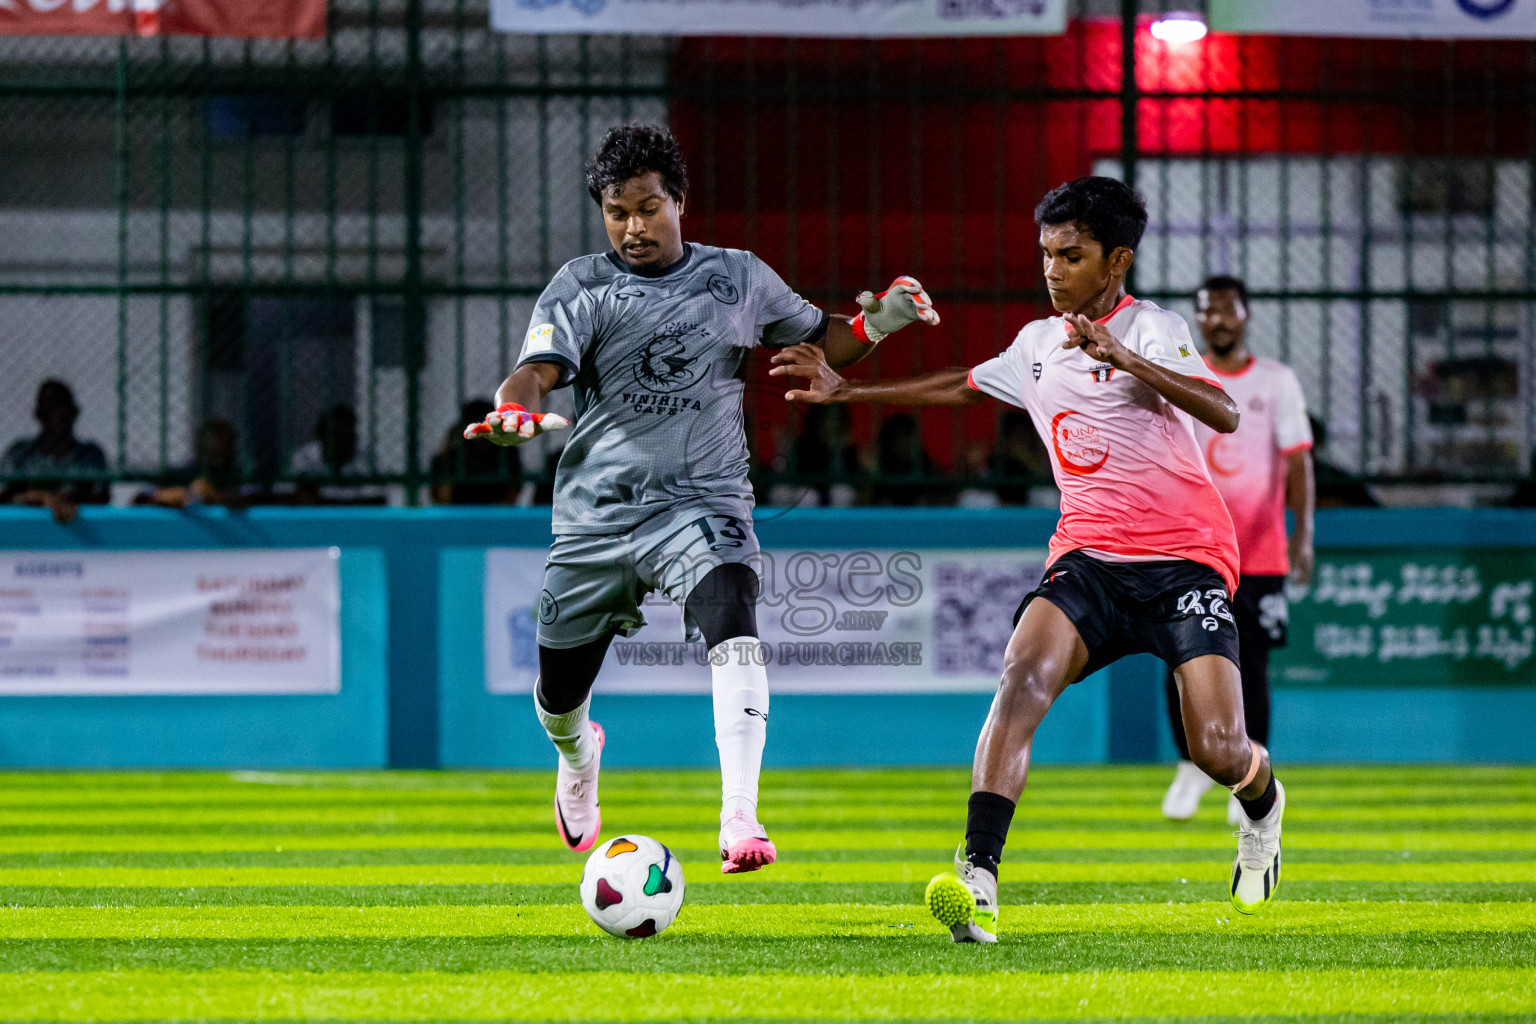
[1025, 688]
[1221, 751]
[724, 603]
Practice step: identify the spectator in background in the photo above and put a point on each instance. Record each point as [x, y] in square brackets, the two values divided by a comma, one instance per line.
[319, 465]
[908, 476]
[474, 474]
[214, 476]
[1015, 472]
[820, 465]
[35, 466]
[1525, 493]
[1336, 488]
[1019, 460]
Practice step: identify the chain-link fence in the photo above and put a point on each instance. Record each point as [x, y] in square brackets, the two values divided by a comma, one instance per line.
[302, 259]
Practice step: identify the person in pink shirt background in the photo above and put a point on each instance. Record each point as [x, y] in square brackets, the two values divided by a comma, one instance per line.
[1261, 469]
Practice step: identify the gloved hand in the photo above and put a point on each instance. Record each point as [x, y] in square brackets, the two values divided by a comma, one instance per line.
[512, 425]
[904, 302]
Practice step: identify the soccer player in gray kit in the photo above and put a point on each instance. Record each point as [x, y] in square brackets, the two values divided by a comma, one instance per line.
[651, 490]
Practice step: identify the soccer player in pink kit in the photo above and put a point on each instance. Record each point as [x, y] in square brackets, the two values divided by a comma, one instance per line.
[1144, 557]
[1261, 468]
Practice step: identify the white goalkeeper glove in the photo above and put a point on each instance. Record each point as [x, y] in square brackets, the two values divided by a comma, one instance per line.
[904, 302]
[511, 425]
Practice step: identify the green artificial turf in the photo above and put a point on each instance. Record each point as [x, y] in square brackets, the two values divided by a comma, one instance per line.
[1409, 895]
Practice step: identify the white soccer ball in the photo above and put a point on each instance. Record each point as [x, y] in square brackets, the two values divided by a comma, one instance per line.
[632, 887]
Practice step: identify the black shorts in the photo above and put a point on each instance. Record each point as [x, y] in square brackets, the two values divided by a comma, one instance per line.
[1262, 611]
[1178, 610]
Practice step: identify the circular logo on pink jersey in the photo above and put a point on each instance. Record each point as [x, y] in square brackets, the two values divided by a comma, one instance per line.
[1081, 448]
[1213, 460]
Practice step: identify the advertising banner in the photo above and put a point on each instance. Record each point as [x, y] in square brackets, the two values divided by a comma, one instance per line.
[270, 19]
[853, 18]
[169, 622]
[834, 621]
[1429, 19]
[1426, 618]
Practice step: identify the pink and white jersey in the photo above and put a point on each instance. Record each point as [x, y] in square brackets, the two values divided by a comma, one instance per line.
[1133, 482]
[1249, 464]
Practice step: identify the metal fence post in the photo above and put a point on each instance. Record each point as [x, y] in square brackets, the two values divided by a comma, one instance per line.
[1129, 94]
[414, 300]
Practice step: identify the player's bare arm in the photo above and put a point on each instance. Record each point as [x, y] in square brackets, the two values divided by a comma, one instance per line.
[1300, 498]
[1205, 402]
[824, 385]
[839, 344]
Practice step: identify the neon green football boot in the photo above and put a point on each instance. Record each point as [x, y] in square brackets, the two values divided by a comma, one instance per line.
[965, 902]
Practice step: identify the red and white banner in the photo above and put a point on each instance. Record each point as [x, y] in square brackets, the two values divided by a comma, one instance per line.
[247, 19]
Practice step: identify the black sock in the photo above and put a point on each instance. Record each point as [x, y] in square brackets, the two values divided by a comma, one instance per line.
[986, 829]
[1262, 804]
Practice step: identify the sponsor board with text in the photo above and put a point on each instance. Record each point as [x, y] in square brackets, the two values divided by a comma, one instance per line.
[169, 622]
[832, 621]
[829, 18]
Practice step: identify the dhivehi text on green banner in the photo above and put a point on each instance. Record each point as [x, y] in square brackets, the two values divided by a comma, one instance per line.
[1424, 618]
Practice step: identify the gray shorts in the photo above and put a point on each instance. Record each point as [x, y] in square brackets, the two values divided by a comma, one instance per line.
[594, 584]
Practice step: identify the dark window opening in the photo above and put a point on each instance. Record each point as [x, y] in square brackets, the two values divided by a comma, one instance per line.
[377, 112]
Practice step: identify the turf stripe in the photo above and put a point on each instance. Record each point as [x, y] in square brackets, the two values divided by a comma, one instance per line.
[899, 951]
[807, 893]
[1361, 779]
[1265, 1018]
[140, 995]
[708, 874]
[777, 920]
[1194, 837]
[340, 855]
[512, 816]
[1511, 805]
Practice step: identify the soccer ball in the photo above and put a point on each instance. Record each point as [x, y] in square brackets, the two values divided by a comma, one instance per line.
[632, 887]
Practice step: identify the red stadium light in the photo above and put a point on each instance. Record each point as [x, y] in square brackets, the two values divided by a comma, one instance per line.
[1179, 27]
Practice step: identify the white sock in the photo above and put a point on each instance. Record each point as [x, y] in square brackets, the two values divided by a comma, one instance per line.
[568, 732]
[741, 721]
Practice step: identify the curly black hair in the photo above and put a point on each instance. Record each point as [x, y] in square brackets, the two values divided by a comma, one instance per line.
[630, 150]
[1226, 282]
[1114, 212]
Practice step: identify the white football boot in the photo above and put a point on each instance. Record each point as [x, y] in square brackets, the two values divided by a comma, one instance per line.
[965, 902]
[578, 817]
[1256, 872]
[1183, 797]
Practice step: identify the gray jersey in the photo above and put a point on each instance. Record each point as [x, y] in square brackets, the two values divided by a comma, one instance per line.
[659, 365]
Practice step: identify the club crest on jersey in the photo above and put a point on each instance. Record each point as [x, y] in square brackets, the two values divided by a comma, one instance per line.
[1102, 373]
[1035, 368]
[722, 289]
[1184, 351]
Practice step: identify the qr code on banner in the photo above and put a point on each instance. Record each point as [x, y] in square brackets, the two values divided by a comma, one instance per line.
[974, 617]
[976, 10]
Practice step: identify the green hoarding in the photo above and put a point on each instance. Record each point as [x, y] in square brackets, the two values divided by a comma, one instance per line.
[1423, 618]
